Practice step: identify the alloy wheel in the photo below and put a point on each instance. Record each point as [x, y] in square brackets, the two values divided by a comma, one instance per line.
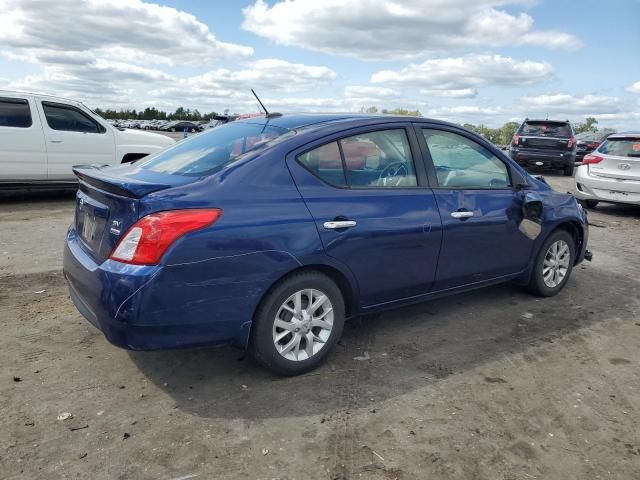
[303, 324]
[556, 263]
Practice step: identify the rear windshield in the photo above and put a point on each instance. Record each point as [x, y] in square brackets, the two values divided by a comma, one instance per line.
[546, 129]
[209, 152]
[621, 147]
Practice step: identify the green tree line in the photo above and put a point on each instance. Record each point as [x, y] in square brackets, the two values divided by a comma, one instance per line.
[152, 113]
[498, 136]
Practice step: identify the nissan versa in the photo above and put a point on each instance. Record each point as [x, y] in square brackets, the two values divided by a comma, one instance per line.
[268, 232]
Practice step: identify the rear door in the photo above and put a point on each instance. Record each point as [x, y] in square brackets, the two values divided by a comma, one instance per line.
[480, 211]
[73, 137]
[373, 208]
[22, 151]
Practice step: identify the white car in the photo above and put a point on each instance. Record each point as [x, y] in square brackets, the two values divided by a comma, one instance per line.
[611, 173]
[43, 137]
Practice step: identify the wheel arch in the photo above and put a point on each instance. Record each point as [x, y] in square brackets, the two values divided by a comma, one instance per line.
[347, 288]
[573, 228]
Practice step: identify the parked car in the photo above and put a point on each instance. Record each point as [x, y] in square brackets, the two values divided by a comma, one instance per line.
[266, 234]
[545, 144]
[180, 126]
[587, 142]
[42, 137]
[611, 173]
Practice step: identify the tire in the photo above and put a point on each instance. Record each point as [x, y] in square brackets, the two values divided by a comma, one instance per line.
[265, 332]
[545, 288]
[568, 171]
[589, 203]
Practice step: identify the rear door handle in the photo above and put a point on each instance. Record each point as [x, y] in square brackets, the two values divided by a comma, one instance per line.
[338, 224]
[56, 141]
[462, 214]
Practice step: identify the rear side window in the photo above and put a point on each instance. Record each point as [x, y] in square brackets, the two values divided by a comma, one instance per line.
[546, 129]
[621, 147]
[325, 162]
[15, 112]
[380, 159]
[69, 119]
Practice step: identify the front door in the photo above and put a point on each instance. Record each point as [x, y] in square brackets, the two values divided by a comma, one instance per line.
[373, 210]
[480, 211]
[74, 138]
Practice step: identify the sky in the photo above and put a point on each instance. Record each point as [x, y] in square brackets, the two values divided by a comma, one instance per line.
[480, 61]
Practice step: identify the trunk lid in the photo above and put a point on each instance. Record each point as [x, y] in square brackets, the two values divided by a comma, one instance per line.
[108, 203]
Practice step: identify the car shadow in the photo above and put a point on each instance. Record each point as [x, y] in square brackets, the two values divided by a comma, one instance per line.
[35, 198]
[385, 355]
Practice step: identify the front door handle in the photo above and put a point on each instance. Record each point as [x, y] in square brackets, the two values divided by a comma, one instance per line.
[56, 141]
[462, 215]
[338, 224]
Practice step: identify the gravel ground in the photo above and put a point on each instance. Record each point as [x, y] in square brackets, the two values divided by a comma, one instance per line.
[494, 384]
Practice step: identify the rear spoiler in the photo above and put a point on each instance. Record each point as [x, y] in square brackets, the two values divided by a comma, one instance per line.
[120, 183]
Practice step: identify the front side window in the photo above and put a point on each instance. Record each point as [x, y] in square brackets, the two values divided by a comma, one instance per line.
[15, 112]
[69, 119]
[380, 159]
[462, 163]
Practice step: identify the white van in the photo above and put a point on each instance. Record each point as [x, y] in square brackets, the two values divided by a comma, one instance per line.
[42, 137]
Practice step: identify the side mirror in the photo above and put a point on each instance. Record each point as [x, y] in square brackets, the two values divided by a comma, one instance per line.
[532, 215]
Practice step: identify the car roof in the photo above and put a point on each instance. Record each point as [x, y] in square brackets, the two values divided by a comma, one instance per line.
[625, 135]
[17, 93]
[542, 120]
[304, 120]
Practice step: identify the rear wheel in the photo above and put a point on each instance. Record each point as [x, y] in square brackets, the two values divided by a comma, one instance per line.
[589, 203]
[297, 324]
[553, 265]
[568, 171]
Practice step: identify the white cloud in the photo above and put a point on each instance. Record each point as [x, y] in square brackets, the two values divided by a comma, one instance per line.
[53, 31]
[464, 74]
[377, 29]
[635, 88]
[449, 93]
[569, 105]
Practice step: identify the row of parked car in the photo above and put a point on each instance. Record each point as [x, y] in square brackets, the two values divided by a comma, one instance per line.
[171, 125]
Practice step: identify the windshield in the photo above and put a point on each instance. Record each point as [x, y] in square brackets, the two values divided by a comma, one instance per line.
[621, 147]
[207, 153]
[546, 129]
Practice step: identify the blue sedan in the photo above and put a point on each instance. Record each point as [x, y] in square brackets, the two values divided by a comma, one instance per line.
[268, 233]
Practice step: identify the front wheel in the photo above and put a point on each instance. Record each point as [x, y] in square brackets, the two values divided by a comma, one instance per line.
[553, 265]
[297, 324]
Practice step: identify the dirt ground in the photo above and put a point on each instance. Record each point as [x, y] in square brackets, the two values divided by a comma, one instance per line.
[495, 384]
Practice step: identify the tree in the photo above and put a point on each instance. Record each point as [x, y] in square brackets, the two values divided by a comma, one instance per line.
[402, 111]
[590, 125]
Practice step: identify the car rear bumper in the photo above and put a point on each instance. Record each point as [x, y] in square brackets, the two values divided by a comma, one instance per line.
[602, 189]
[543, 158]
[157, 307]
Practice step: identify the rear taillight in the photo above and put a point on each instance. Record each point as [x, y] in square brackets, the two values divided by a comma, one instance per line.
[590, 159]
[571, 142]
[516, 139]
[150, 237]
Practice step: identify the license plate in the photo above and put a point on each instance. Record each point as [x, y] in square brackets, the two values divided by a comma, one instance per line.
[88, 227]
[618, 195]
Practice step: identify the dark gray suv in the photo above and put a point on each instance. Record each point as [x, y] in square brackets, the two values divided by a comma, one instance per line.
[545, 144]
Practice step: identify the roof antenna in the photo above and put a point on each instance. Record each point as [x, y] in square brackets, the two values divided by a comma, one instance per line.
[266, 112]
